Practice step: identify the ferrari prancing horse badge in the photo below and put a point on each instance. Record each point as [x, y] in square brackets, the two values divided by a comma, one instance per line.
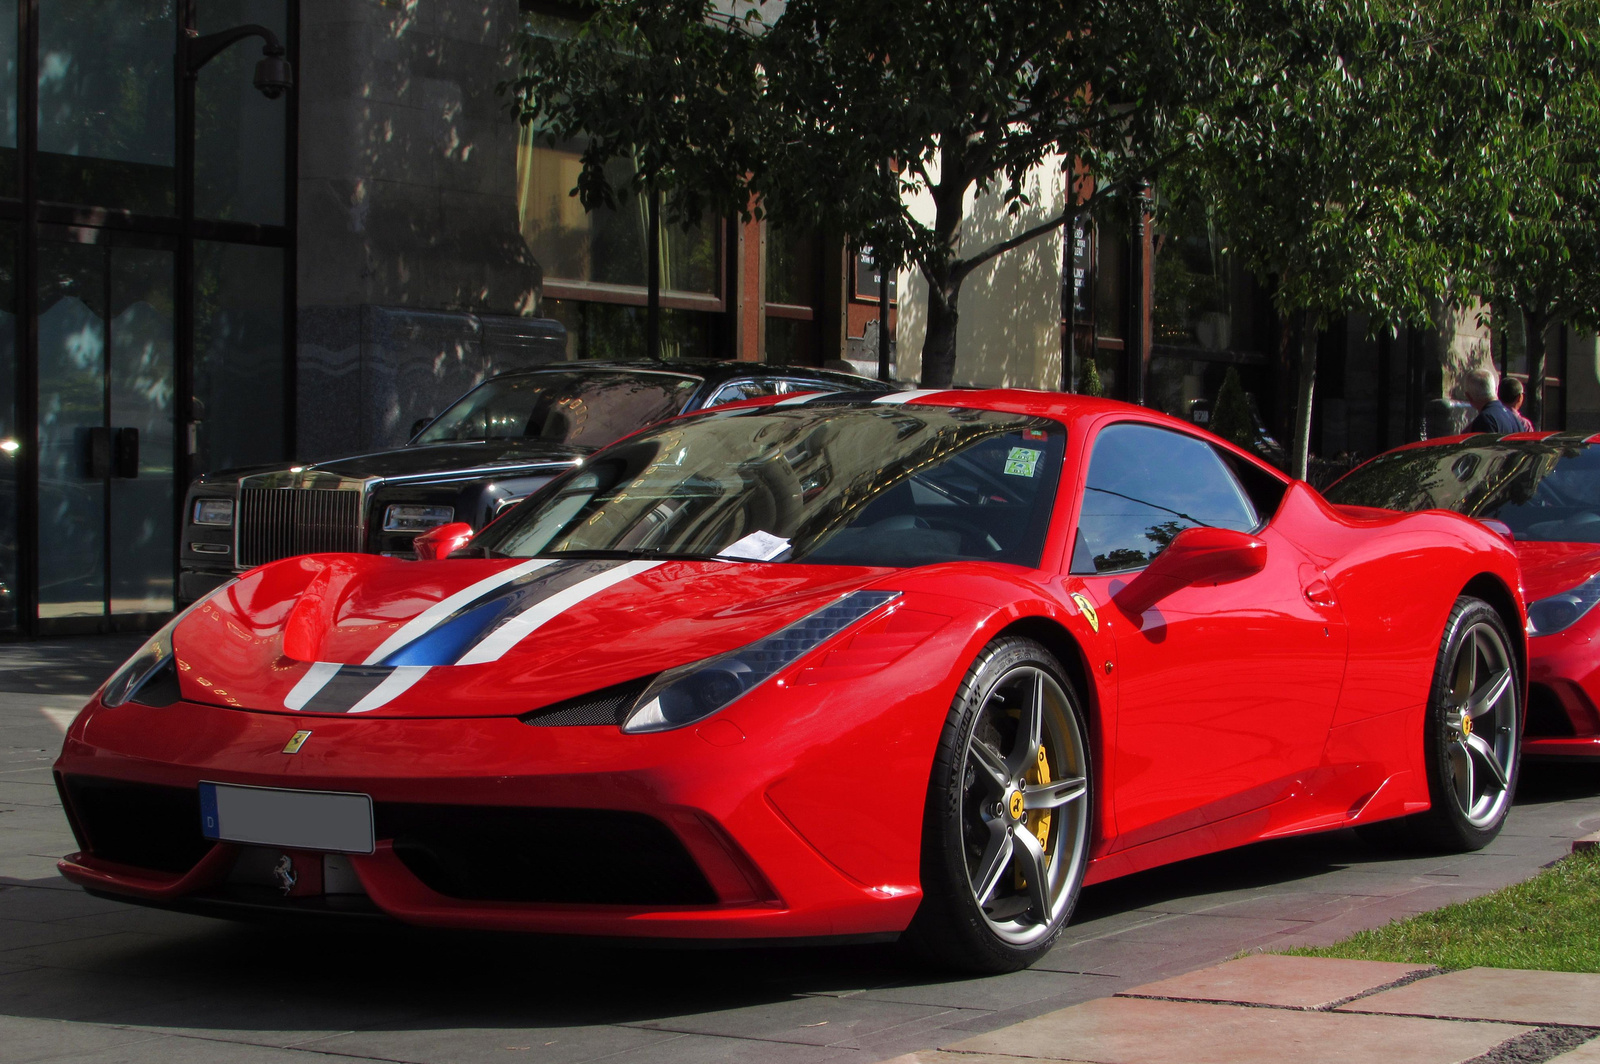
[1087, 609]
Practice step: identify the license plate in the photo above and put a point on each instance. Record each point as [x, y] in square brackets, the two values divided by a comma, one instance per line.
[294, 820]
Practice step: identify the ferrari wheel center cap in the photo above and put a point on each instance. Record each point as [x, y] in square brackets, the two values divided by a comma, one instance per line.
[1466, 726]
[1015, 805]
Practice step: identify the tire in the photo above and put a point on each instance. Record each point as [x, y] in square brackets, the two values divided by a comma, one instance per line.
[1472, 769]
[998, 803]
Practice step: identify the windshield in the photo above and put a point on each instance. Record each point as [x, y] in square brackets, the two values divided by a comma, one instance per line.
[1546, 490]
[846, 485]
[581, 408]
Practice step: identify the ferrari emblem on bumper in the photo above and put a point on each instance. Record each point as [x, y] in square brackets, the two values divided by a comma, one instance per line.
[295, 742]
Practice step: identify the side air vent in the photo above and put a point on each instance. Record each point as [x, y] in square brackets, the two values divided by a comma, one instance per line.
[606, 706]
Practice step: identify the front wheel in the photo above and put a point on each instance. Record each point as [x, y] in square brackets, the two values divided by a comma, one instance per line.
[1006, 829]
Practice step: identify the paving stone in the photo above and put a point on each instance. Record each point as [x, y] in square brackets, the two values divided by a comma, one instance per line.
[1267, 979]
[1132, 1031]
[1496, 994]
[24, 1040]
[806, 1021]
[938, 1056]
[174, 1050]
[710, 1049]
[443, 1038]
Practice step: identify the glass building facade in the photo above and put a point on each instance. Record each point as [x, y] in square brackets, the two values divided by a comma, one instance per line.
[146, 272]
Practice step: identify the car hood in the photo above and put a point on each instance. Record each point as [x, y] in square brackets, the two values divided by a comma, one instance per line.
[1551, 568]
[344, 633]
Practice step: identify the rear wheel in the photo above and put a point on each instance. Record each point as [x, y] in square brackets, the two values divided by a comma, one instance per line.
[1471, 736]
[1006, 830]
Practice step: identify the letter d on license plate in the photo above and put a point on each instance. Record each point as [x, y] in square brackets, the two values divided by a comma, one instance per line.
[294, 820]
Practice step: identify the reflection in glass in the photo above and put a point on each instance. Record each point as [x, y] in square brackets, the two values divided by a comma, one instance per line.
[616, 330]
[1146, 485]
[847, 486]
[1547, 491]
[10, 446]
[239, 373]
[1203, 297]
[72, 394]
[239, 133]
[105, 103]
[576, 409]
[143, 400]
[606, 246]
[791, 342]
[8, 104]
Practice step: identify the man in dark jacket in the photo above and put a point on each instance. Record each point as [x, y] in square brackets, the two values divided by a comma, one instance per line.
[1511, 395]
[1493, 415]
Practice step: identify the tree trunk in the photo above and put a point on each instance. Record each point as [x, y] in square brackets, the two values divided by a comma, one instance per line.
[939, 344]
[1534, 324]
[944, 284]
[1305, 387]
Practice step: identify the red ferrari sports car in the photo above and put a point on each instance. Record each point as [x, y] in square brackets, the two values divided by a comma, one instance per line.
[831, 666]
[1542, 491]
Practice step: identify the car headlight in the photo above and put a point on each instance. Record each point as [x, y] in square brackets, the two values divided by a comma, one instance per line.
[1551, 615]
[150, 659]
[693, 692]
[215, 512]
[404, 517]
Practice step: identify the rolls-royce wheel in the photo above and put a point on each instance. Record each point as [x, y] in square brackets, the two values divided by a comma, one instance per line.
[1006, 830]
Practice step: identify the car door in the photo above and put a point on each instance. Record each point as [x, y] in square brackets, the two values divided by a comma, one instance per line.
[1226, 691]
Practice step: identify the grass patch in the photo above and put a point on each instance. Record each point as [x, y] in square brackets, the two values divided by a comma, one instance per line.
[1551, 923]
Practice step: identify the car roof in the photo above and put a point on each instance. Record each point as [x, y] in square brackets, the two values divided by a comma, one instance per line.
[713, 371]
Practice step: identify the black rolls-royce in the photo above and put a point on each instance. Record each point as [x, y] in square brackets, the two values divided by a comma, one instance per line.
[491, 449]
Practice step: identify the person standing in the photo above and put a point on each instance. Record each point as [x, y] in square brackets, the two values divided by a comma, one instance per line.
[1493, 415]
[1511, 397]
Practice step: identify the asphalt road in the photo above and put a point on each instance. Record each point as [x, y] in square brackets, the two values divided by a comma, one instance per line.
[88, 980]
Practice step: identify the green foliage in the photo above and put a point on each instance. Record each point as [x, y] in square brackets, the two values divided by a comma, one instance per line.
[1549, 923]
[794, 117]
[1089, 381]
[1230, 416]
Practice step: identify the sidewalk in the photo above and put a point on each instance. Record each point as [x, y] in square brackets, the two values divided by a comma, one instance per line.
[1267, 1008]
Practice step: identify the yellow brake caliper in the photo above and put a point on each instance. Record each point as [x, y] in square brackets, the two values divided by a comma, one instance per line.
[1039, 819]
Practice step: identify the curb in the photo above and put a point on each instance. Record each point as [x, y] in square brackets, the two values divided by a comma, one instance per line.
[1588, 842]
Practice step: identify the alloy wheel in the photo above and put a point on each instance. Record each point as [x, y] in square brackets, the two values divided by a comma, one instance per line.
[1025, 805]
[1480, 725]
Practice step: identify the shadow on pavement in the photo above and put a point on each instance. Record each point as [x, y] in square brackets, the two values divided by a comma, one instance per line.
[64, 666]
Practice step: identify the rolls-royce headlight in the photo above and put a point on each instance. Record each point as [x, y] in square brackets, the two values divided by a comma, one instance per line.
[1557, 612]
[405, 517]
[150, 659]
[218, 513]
[693, 692]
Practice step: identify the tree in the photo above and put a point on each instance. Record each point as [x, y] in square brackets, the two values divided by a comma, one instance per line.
[1230, 417]
[1321, 173]
[793, 118]
[1519, 83]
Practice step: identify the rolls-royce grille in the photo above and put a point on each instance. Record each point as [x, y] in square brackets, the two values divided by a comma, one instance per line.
[282, 522]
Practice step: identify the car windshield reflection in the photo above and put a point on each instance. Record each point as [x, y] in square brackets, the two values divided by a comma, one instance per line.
[580, 408]
[872, 486]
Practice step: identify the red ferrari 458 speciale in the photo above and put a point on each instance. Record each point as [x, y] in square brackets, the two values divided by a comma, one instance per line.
[916, 665]
[1542, 491]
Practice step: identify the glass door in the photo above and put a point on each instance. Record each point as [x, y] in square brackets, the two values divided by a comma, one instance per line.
[107, 405]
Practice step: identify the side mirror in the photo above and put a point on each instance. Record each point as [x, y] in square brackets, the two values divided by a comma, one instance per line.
[1195, 556]
[418, 425]
[438, 542]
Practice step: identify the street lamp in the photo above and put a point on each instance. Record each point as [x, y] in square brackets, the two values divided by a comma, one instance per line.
[274, 75]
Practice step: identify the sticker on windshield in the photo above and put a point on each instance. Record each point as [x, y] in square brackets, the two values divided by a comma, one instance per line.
[1022, 462]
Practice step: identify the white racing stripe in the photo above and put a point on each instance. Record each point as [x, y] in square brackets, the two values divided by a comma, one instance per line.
[315, 679]
[905, 397]
[525, 623]
[419, 625]
[797, 400]
[393, 686]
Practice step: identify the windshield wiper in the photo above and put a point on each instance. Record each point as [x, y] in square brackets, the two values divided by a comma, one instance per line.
[633, 552]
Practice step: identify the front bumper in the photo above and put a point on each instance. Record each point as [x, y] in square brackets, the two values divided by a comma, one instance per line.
[689, 811]
[1564, 682]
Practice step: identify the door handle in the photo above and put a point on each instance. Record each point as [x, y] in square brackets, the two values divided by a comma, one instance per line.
[1318, 593]
[97, 453]
[126, 453]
